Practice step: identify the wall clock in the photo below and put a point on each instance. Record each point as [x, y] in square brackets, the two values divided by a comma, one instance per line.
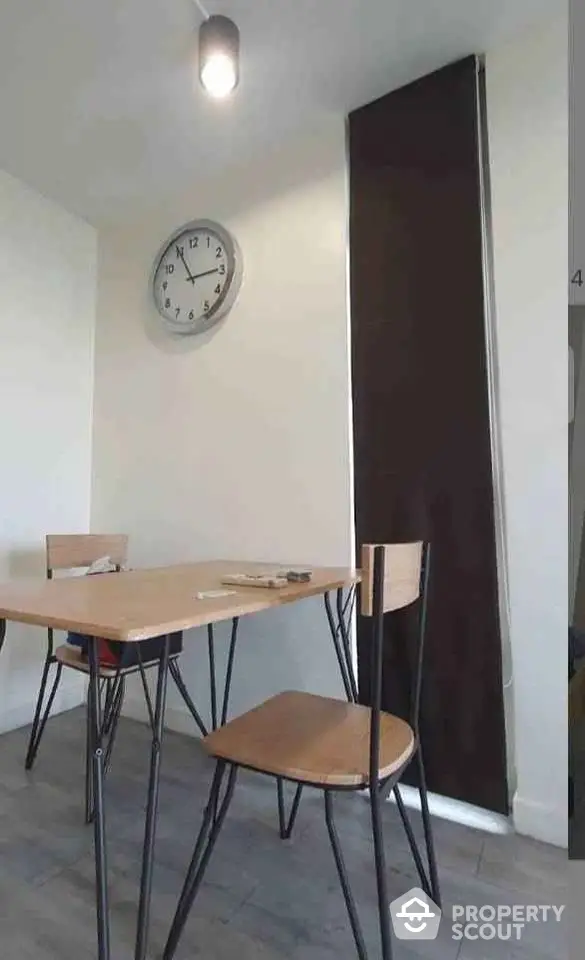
[196, 277]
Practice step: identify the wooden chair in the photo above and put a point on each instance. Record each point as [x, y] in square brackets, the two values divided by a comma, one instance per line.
[71, 552]
[332, 745]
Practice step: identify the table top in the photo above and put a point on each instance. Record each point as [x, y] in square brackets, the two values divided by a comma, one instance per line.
[139, 604]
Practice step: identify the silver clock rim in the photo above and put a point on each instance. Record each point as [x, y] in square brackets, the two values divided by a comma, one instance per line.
[231, 288]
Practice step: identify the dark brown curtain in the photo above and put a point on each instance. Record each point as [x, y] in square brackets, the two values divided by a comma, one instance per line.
[421, 418]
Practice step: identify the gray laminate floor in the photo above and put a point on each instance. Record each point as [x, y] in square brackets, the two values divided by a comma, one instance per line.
[263, 899]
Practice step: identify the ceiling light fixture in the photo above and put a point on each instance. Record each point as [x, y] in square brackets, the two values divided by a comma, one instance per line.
[219, 54]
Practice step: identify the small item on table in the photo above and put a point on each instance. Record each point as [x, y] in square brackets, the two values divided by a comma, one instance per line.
[275, 580]
[298, 576]
[213, 594]
[271, 581]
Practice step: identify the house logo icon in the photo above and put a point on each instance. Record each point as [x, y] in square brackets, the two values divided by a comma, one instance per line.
[415, 916]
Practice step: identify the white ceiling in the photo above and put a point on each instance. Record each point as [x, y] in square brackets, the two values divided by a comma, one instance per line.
[98, 108]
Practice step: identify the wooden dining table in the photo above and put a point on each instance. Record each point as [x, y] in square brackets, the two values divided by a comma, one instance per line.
[140, 604]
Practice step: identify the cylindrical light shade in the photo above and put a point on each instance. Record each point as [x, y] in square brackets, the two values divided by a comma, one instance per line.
[219, 55]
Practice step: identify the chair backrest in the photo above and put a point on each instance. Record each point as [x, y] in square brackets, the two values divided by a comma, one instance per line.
[393, 577]
[401, 575]
[72, 551]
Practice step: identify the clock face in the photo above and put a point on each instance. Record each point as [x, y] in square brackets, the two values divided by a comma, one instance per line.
[196, 277]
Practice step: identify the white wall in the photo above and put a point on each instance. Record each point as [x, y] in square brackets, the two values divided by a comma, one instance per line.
[527, 116]
[182, 430]
[47, 314]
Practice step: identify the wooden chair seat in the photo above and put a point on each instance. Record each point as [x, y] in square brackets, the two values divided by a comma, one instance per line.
[73, 658]
[312, 739]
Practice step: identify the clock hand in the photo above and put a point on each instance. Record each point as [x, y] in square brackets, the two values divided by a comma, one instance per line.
[205, 273]
[189, 275]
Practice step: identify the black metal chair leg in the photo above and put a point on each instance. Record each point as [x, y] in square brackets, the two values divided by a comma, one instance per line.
[114, 719]
[381, 878]
[177, 676]
[428, 829]
[293, 811]
[424, 880]
[281, 812]
[343, 878]
[109, 687]
[38, 723]
[112, 703]
[31, 751]
[286, 829]
[209, 815]
[201, 858]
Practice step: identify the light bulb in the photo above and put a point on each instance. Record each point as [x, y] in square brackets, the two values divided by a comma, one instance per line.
[219, 55]
[218, 75]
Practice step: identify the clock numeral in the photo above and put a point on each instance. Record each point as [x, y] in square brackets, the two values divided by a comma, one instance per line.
[206, 306]
[218, 289]
[191, 315]
[165, 285]
[180, 252]
[209, 241]
[169, 268]
[218, 252]
[193, 242]
[167, 303]
[177, 311]
[222, 269]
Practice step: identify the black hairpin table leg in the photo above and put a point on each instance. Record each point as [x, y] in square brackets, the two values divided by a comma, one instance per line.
[344, 616]
[339, 622]
[339, 627]
[99, 820]
[218, 719]
[152, 805]
[227, 687]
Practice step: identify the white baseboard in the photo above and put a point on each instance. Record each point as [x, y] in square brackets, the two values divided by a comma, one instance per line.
[545, 823]
[457, 811]
[180, 721]
[69, 696]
